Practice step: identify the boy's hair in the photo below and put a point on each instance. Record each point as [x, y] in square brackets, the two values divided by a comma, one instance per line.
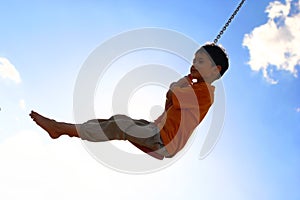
[218, 56]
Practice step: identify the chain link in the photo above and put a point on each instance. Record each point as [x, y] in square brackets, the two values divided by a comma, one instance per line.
[228, 22]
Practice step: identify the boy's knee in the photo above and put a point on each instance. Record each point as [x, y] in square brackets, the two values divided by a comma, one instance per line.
[120, 117]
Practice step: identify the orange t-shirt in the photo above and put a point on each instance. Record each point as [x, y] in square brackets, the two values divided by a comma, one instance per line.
[189, 106]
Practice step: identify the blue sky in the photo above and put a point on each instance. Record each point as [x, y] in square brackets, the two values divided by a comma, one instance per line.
[43, 45]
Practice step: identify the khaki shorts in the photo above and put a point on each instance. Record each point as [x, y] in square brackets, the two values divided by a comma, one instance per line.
[122, 127]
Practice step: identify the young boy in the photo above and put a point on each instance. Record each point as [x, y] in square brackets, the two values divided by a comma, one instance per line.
[188, 101]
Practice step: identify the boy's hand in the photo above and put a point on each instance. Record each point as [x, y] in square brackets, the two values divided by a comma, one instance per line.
[183, 82]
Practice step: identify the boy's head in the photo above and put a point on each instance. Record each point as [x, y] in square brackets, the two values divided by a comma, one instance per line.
[210, 63]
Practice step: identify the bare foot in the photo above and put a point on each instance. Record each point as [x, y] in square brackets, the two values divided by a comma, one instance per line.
[49, 125]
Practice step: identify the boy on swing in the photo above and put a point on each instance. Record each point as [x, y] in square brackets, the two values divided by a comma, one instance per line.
[187, 102]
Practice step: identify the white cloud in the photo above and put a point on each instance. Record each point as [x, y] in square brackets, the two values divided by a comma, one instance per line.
[62, 169]
[8, 70]
[276, 43]
[22, 104]
[298, 109]
[31, 169]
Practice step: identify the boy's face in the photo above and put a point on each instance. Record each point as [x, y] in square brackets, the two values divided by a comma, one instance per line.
[204, 68]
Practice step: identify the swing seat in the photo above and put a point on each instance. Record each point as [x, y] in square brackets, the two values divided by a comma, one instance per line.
[149, 151]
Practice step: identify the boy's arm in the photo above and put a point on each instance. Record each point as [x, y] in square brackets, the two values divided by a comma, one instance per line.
[183, 82]
[169, 101]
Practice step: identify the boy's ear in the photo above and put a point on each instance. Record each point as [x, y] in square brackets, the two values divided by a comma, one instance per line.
[217, 69]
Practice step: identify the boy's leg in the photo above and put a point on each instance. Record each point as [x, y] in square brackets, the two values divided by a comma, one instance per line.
[97, 130]
[55, 129]
[93, 130]
[119, 127]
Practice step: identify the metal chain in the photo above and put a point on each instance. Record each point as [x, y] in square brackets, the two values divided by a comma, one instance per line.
[228, 22]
